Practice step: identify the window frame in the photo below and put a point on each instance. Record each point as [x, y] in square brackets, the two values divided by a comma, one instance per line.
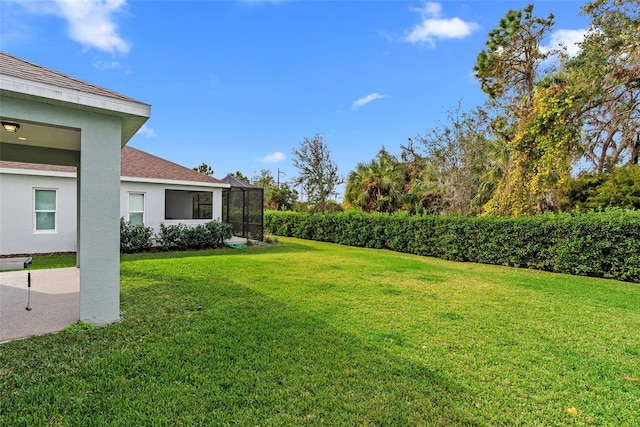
[144, 206]
[36, 211]
[198, 207]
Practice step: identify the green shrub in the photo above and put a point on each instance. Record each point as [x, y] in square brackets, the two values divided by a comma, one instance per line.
[180, 237]
[135, 238]
[602, 244]
[172, 237]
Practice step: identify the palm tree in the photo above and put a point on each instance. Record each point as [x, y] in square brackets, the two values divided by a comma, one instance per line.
[376, 186]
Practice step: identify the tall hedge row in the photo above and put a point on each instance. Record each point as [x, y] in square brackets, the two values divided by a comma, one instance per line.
[600, 244]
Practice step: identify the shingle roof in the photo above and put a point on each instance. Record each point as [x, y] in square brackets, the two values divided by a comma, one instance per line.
[17, 67]
[134, 164]
[138, 164]
[36, 167]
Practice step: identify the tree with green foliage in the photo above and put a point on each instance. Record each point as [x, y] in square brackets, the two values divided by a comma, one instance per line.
[281, 198]
[605, 78]
[457, 154]
[204, 169]
[543, 151]
[318, 172]
[376, 186]
[240, 176]
[592, 190]
[420, 192]
[508, 70]
[264, 179]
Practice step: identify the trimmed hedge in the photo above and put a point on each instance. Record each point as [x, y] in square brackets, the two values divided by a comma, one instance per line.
[138, 238]
[600, 244]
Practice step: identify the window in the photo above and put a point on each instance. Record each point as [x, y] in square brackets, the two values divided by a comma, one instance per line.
[182, 204]
[202, 208]
[136, 208]
[45, 204]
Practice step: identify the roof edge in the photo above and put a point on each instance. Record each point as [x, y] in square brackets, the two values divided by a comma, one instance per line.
[74, 97]
[174, 182]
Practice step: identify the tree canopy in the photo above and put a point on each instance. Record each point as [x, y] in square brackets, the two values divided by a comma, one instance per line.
[548, 115]
[317, 171]
[204, 168]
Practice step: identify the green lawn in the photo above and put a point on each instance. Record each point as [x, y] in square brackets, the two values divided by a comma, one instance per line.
[309, 333]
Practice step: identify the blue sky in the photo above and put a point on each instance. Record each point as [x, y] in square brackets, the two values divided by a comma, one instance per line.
[238, 84]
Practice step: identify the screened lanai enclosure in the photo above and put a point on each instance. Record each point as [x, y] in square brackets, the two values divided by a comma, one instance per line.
[242, 207]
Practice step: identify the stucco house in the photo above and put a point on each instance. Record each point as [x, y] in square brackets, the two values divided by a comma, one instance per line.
[38, 211]
[54, 119]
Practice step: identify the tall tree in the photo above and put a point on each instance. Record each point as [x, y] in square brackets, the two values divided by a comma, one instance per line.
[318, 172]
[264, 179]
[508, 70]
[280, 198]
[508, 67]
[204, 168]
[605, 77]
[543, 152]
[458, 153]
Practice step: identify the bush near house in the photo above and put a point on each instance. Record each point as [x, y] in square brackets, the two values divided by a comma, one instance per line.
[138, 238]
[181, 237]
[600, 244]
[135, 238]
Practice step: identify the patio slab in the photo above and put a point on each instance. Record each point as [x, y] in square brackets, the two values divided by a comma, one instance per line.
[55, 302]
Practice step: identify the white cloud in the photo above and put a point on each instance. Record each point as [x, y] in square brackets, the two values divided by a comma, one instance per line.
[567, 38]
[434, 27]
[273, 157]
[367, 99]
[90, 22]
[146, 131]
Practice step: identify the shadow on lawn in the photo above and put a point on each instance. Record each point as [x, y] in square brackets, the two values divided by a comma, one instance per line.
[218, 353]
[251, 250]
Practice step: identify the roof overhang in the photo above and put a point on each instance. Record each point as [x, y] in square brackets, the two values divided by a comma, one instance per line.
[133, 113]
[175, 182]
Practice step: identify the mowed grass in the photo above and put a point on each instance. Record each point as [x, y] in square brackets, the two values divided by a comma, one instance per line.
[309, 333]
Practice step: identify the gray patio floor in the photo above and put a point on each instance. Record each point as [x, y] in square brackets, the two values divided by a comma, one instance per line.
[55, 302]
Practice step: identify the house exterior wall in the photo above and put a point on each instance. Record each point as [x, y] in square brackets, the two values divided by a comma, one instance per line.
[17, 234]
[154, 199]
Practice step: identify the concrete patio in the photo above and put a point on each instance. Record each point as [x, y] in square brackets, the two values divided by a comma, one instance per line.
[55, 302]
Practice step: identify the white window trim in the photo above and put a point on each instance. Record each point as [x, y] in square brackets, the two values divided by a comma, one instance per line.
[35, 212]
[144, 206]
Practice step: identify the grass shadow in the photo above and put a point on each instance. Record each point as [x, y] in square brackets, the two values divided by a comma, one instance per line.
[219, 354]
[289, 247]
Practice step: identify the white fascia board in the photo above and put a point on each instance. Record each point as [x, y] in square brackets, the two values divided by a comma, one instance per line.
[175, 182]
[71, 96]
[57, 174]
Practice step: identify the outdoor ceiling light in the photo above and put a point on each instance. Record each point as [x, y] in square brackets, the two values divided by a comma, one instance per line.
[10, 126]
